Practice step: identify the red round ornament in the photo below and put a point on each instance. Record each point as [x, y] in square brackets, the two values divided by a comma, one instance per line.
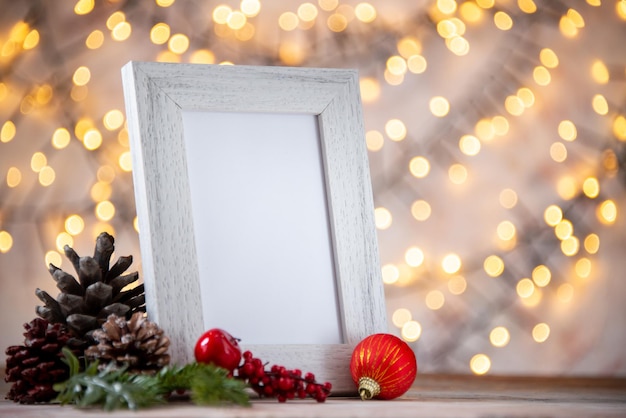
[383, 367]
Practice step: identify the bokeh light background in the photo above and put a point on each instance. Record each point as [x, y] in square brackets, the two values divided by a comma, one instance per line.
[496, 132]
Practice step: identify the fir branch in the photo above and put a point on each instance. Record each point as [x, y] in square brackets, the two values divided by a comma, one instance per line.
[211, 385]
[114, 388]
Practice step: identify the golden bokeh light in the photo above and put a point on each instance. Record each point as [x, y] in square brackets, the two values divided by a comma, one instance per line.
[252, 8]
[113, 119]
[64, 239]
[527, 6]
[409, 46]
[374, 140]
[480, 364]
[105, 211]
[395, 129]
[411, 331]
[527, 96]
[165, 3]
[583, 267]
[457, 173]
[439, 106]
[525, 288]
[417, 64]
[446, 6]
[81, 76]
[451, 263]
[502, 20]
[606, 212]
[558, 152]
[414, 257]
[600, 105]
[100, 191]
[435, 300]
[419, 167]
[83, 7]
[6, 242]
[178, 43]
[568, 27]
[8, 131]
[126, 161]
[541, 75]
[370, 89]
[95, 39]
[401, 316]
[564, 229]
[470, 12]
[202, 56]
[514, 105]
[553, 215]
[365, 12]
[567, 187]
[506, 230]
[541, 332]
[493, 266]
[599, 72]
[570, 246]
[567, 130]
[591, 187]
[121, 31]
[47, 175]
[38, 161]
[160, 33]
[469, 145]
[457, 285]
[508, 198]
[337, 22]
[421, 210]
[499, 336]
[396, 65]
[592, 243]
[14, 177]
[54, 258]
[92, 139]
[390, 273]
[619, 127]
[236, 20]
[382, 218]
[541, 275]
[61, 138]
[74, 224]
[220, 14]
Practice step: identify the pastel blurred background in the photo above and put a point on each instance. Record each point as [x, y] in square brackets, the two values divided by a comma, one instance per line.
[496, 132]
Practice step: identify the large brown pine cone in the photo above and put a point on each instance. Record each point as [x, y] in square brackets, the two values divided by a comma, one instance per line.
[137, 344]
[100, 290]
[35, 366]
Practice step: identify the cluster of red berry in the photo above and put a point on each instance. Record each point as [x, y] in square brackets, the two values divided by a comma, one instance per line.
[218, 347]
[280, 382]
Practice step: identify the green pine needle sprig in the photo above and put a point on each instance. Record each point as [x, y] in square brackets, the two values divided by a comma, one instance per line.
[113, 388]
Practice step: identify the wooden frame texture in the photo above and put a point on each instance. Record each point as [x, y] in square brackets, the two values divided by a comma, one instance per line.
[156, 94]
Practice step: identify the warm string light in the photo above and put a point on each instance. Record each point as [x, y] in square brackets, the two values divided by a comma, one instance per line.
[453, 22]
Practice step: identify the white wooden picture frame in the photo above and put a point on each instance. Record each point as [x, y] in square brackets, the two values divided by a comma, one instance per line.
[161, 98]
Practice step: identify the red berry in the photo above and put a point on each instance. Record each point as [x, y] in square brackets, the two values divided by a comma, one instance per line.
[218, 347]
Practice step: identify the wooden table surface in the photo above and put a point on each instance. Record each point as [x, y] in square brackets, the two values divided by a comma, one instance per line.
[430, 396]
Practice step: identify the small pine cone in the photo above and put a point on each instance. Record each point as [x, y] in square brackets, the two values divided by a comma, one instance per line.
[36, 366]
[137, 343]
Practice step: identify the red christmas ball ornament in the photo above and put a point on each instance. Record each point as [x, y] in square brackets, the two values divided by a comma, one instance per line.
[218, 347]
[383, 367]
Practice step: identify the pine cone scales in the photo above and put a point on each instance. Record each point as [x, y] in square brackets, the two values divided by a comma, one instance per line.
[84, 304]
[137, 343]
[35, 366]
